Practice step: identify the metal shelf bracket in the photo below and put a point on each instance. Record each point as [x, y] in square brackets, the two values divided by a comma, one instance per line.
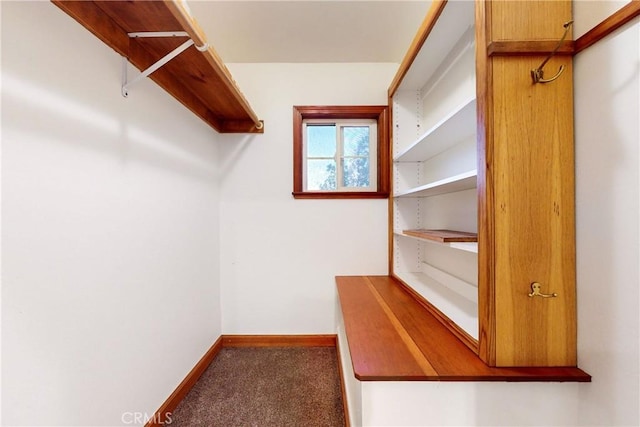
[161, 62]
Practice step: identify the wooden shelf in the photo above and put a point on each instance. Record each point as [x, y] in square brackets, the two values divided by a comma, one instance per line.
[198, 79]
[462, 246]
[443, 236]
[434, 88]
[392, 337]
[457, 126]
[463, 181]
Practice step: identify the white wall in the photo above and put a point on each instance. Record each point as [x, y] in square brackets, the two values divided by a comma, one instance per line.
[607, 108]
[110, 241]
[111, 248]
[280, 254]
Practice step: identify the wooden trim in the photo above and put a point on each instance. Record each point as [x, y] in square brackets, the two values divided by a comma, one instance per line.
[423, 32]
[339, 195]
[279, 340]
[165, 410]
[343, 389]
[610, 24]
[341, 111]
[486, 198]
[616, 20]
[297, 151]
[384, 152]
[380, 113]
[529, 47]
[390, 205]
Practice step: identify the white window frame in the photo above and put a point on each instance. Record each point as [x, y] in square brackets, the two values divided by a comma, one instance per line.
[340, 124]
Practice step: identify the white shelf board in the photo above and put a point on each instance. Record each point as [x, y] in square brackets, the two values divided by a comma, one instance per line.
[457, 126]
[456, 307]
[462, 246]
[463, 181]
[454, 21]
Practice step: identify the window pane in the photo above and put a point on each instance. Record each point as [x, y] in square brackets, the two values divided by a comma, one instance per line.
[321, 174]
[321, 140]
[356, 140]
[356, 172]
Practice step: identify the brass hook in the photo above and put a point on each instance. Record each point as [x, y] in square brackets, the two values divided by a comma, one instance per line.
[537, 74]
[535, 291]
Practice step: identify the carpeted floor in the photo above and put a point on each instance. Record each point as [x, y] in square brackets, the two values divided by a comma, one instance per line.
[261, 387]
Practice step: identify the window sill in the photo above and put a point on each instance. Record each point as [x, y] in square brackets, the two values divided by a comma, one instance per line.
[340, 195]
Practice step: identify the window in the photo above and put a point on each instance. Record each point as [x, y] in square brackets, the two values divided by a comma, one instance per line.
[339, 155]
[340, 152]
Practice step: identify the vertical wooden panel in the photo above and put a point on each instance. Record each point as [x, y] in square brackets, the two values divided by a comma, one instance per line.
[486, 273]
[529, 20]
[526, 190]
[534, 214]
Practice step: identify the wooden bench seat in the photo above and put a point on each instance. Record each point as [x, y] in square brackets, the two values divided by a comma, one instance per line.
[392, 337]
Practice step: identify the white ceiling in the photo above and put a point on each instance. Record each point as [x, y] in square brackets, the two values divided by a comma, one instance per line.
[309, 31]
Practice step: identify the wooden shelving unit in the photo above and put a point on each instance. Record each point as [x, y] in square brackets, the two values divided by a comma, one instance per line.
[435, 168]
[497, 159]
[197, 77]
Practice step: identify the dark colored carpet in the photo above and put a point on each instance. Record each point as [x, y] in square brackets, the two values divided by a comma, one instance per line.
[256, 387]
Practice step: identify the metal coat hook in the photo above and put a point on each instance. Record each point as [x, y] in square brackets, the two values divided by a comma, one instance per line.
[535, 291]
[537, 74]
